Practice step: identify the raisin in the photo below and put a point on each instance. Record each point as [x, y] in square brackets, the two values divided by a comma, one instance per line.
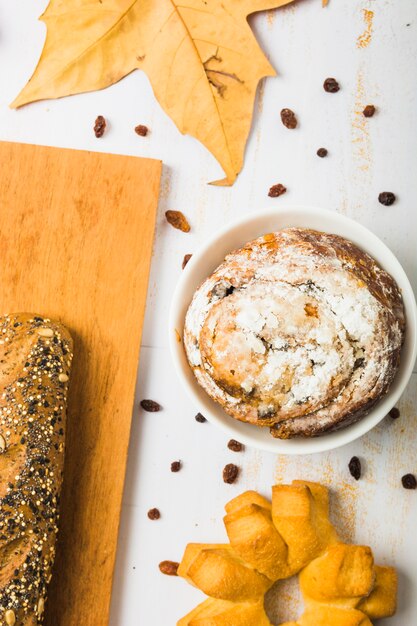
[150, 405]
[331, 85]
[230, 473]
[288, 118]
[99, 126]
[386, 198]
[175, 466]
[355, 467]
[178, 220]
[141, 130]
[154, 514]
[185, 260]
[369, 110]
[277, 190]
[409, 481]
[235, 446]
[200, 418]
[322, 152]
[266, 412]
[394, 413]
[222, 289]
[169, 568]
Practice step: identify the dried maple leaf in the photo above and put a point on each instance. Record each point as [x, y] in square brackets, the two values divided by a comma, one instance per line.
[201, 57]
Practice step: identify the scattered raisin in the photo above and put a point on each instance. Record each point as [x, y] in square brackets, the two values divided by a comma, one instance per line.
[141, 130]
[230, 473]
[154, 514]
[331, 85]
[150, 405]
[276, 190]
[169, 568]
[355, 467]
[386, 198]
[178, 220]
[185, 260]
[99, 126]
[322, 152]
[288, 118]
[409, 481]
[200, 418]
[394, 413]
[175, 466]
[235, 446]
[369, 110]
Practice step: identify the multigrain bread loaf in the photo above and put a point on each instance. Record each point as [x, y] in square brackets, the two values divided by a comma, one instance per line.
[35, 362]
[299, 331]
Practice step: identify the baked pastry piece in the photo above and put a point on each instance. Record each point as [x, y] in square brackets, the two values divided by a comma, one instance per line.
[35, 361]
[382, 601]
[298, 330]
[223, 613]
[340, 584]
[331, 616]
[221, 573]
[343, 575]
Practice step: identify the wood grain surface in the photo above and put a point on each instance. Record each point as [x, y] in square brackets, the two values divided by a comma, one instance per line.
[76, 237]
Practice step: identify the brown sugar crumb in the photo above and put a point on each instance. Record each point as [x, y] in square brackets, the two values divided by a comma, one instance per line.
[369, 110]
[150, 405]
[355, 467]
[178, 220]
[154, 514]
[409, 481]
[176, 466]
[331, 85]
[169, 568]
[235, 446]
[230, 473]
[311, 310]
[322, 152]
[99, 126]
[200, 418]
[277, 190]
[394, 413]
[288, 118]
[141, 130]
[185, 260]
[387, 198]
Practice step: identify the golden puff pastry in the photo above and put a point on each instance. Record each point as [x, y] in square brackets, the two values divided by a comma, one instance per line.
[340, 584]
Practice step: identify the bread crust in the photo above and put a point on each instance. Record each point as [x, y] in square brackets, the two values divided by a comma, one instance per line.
[35, 362]
[299, 331]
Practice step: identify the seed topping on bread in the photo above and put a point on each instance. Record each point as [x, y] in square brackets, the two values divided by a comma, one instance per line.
[35, 361]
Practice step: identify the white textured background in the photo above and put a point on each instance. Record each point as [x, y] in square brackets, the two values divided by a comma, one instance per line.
[306, 44]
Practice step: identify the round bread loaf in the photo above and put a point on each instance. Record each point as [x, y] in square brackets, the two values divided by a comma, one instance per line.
[299, 330]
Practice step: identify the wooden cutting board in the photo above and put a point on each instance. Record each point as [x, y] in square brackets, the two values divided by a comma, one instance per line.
[76, 232]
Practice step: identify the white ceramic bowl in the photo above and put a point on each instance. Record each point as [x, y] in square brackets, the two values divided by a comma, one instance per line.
[234, 236]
